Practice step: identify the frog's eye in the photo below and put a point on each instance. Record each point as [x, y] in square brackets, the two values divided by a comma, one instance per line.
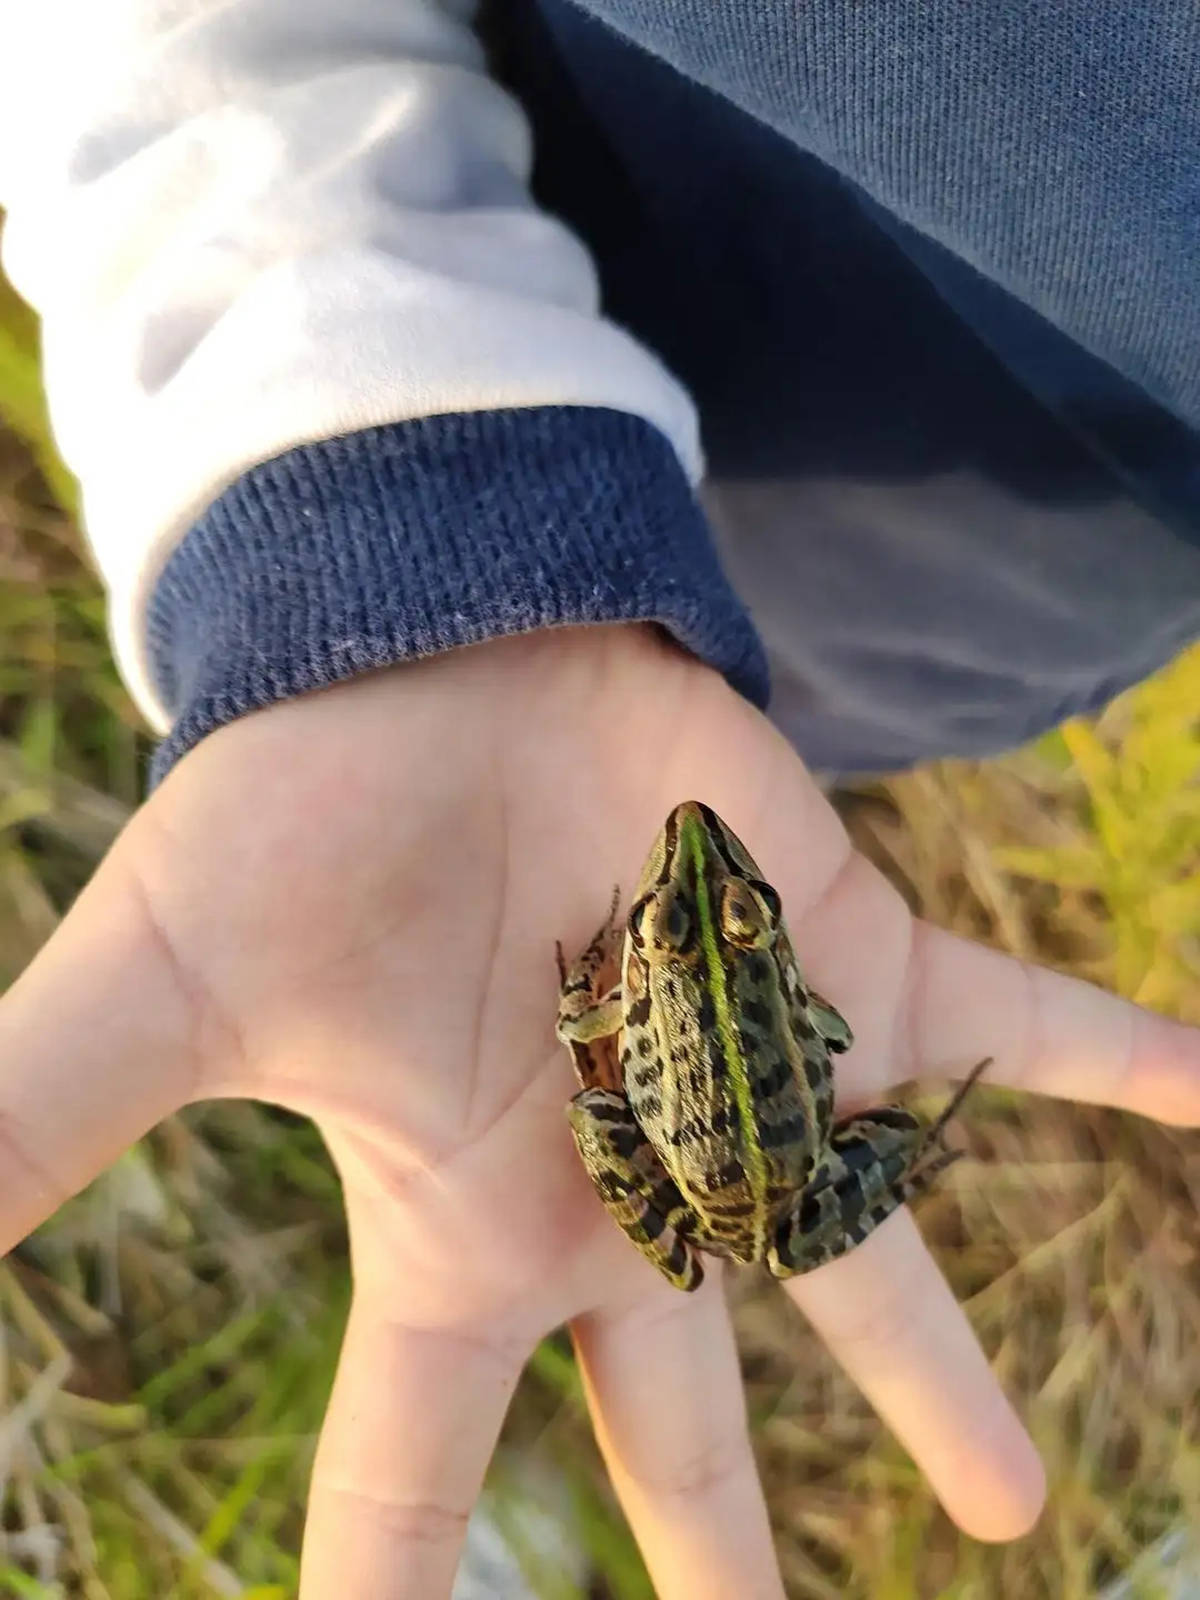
[750, 912]
[639, 911]
[661, 920]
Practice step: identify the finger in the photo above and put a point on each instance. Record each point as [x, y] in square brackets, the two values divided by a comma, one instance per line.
[407, 1438]
[889, 1317]
[925, 1003]
[665, 1392]
[97, 1044]
[1048, 1033]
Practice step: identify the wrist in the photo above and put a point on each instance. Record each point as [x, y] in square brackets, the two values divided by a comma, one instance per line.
[402, 542]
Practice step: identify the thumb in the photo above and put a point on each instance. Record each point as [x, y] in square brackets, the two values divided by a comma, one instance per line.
[96, 1046]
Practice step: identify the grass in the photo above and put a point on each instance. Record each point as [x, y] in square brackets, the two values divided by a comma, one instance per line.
[167, 1340]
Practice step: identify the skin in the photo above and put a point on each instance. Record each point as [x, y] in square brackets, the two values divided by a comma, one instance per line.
[347, 905]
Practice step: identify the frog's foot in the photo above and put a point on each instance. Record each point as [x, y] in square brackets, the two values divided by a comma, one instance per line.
[876, 1163]
[634, 1185]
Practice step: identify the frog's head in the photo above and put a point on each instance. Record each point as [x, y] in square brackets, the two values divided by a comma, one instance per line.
[701, 891]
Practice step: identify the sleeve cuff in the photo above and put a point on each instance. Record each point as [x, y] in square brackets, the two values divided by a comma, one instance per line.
[405, 540]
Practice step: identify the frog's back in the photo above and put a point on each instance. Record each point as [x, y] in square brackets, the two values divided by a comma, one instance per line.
[681, 1078]
[722, 1066]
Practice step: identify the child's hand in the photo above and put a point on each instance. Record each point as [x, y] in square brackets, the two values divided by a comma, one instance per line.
[349, 903]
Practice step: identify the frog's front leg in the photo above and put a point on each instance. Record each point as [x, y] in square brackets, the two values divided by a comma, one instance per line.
[589, 1010]
[633, 1184]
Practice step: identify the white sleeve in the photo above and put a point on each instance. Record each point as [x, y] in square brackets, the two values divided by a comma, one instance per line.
[252, 224]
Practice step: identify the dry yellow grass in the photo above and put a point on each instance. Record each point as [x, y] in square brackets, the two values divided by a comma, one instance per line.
[1072, 1239]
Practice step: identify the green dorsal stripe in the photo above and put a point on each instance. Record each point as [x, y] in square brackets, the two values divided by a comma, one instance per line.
[753, 1159]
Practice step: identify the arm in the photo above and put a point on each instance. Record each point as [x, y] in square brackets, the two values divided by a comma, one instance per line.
[302, 317]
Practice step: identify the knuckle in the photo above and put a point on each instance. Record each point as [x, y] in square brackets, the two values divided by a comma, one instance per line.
[702, 1471]
[412, 1522]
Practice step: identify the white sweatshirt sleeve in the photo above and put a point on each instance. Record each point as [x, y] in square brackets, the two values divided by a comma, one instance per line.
[253, 224]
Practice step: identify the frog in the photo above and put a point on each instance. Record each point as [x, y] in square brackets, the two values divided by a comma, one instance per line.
[704, 1115]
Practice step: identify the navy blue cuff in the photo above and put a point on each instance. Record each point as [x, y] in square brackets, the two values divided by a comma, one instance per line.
[406, 540]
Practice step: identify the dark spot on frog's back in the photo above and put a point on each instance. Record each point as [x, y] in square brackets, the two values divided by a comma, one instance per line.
[699, 1129]
[760, 1015]
[725, 1177]
[758, 966]
[775, 1135]
[706, 1013]
[773, 1081]
[639, 1012]
[816, 1072]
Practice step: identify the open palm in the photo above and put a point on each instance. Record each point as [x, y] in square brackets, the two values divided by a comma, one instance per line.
[348, 904]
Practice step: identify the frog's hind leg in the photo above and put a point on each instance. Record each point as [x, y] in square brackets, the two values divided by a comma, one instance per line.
[633, 1184]
[876, 1163]
[863, 1179]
